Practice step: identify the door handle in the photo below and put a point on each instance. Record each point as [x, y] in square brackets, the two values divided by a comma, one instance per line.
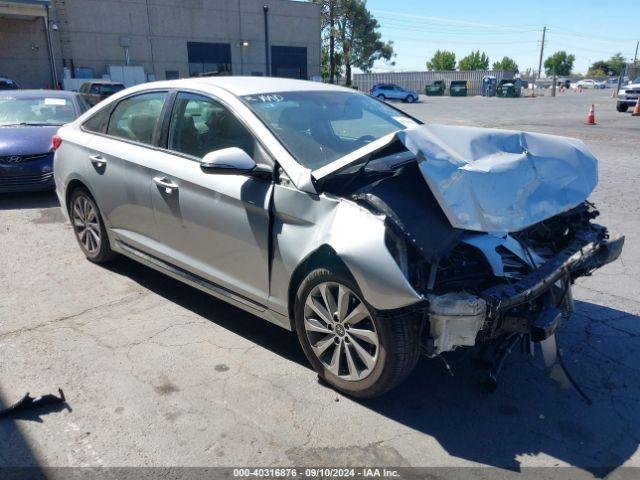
[165, 183]
[97, 160]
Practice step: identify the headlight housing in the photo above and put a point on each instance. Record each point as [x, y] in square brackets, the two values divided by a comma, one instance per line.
[622, 91]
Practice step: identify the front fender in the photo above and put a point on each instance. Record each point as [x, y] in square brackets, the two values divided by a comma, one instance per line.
[304, 223]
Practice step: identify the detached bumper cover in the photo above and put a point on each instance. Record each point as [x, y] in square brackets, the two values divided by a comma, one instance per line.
[576, 260]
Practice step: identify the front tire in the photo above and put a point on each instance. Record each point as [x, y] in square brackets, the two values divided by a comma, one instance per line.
[345, 340]
[88, 227]
[410, 99]
[382, 97]
[622, 107]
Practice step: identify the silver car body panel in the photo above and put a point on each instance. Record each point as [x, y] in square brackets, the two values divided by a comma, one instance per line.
[304, 223]
[213, 231]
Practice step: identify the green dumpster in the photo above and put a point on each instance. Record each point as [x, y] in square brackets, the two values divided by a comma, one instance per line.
[509, 88]
[458, 88]
[435, 89]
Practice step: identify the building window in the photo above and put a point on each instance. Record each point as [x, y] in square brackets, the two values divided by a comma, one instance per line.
[289, 62]
[172, 74]
[209, 58]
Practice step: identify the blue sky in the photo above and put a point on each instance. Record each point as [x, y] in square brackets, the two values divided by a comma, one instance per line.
[590, 29]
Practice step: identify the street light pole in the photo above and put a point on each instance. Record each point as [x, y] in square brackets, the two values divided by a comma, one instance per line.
[52, 59]
[265, 9]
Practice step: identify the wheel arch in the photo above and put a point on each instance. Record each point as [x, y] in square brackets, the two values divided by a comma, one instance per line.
[323, 257]
[71, 186]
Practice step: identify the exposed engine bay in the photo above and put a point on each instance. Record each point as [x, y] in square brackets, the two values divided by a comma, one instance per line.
[477, 286]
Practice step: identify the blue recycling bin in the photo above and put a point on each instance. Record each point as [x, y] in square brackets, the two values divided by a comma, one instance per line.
[489, 84]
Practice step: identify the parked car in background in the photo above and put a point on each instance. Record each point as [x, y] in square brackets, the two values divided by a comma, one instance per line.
[391, 91]
[95, 91]
[7, 84]
[320, 209]
[628, 95]
[589, 83]
[28, 121]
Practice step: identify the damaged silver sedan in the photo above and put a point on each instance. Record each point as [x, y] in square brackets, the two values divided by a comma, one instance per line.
[375, 237]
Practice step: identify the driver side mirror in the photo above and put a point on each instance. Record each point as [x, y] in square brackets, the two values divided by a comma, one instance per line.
[232, 161]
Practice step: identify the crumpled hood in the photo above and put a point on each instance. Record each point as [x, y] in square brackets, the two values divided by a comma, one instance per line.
[491, 180]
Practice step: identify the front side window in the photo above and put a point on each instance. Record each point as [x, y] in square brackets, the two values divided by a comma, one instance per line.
[318, 127]
[135, 118]
[200, 125]
[35, 110]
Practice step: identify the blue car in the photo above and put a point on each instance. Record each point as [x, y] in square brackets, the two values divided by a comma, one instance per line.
[28, 121]
[391, 91]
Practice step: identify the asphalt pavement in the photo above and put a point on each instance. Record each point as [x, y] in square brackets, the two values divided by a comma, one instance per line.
[158, 374]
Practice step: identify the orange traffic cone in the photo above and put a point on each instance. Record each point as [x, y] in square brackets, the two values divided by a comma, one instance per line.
[591, 117]
[636, 109]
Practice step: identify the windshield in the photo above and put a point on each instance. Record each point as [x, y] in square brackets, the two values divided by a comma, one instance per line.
[35, 111]
[637, 80]
[320, 127]
[7, 85]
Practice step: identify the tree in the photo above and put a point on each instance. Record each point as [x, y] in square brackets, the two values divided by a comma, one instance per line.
[351, 37]
[617, 63]
[366, 45]
[326, 66]
[598, 69]
[474, 61]
[506, 64]
[560, 63]
[602, 68]
[442, 60]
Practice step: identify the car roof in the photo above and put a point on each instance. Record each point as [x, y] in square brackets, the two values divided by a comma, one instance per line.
[38, 93]
[241, 86]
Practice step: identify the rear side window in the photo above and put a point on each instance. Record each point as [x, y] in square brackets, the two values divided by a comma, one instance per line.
[94, 88]
[96, 122]
[135, 118]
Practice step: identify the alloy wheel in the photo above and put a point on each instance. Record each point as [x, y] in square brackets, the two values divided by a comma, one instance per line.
[86, 224]
[341, 331]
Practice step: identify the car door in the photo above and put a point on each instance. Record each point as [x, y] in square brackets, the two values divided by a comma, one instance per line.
[398, 93]
[214, 226]
[120, 162]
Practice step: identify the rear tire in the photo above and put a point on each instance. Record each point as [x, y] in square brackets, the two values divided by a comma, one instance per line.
[410, 99]
[88, 227]
[622, 107]
[368, 363]
[382, 97]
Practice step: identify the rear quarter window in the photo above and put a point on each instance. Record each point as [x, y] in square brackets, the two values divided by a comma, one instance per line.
[97, 121]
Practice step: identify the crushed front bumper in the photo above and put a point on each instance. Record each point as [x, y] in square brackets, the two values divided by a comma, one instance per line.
[548, 286]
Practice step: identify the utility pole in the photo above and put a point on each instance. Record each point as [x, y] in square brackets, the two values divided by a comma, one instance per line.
[635, 57]
[544, 33]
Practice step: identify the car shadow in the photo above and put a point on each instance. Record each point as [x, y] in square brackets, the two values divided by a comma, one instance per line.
[28, 200]
[261, 332]
[529, 415]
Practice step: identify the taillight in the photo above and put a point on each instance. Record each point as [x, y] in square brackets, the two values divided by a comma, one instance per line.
[56, 141]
